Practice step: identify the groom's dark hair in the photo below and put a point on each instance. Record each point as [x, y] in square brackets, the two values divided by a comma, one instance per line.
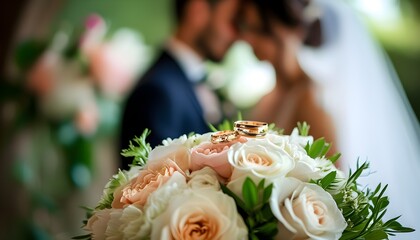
[180, 7]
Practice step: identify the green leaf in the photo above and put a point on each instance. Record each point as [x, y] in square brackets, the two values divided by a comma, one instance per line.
[239, 202]
[250, 193]
[267, 193]
[261, 184]
[212, 127]
[327, 180]
[377, 235]
[335, 157]
[316, 148]
[239, 116]
[325, 149]
[266, 228]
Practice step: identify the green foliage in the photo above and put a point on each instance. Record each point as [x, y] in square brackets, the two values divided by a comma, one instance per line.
[319, 148]
[303, 128]
[364, 210]
[327, 182]
[272, 128]
[141, 152]
[225, 125]
[108, 196]
[255, 209]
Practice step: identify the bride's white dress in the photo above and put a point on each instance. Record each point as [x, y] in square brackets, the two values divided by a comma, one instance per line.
[358, 86]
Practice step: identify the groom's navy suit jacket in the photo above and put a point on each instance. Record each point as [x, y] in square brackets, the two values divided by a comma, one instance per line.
[163, 101]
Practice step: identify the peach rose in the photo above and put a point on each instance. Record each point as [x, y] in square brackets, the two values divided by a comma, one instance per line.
[138, 189]
[163, 162]
[214, 156]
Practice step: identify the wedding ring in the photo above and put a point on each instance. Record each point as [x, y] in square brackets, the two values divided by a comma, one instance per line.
[251, 128]
[224, 136]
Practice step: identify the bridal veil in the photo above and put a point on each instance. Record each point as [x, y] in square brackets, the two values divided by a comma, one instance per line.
[358, 86]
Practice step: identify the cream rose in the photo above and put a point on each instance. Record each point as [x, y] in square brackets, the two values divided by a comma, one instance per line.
[98, 223]
[260, 158]
[214, 156]
[199, 214]
[305, 211]
[204, 178]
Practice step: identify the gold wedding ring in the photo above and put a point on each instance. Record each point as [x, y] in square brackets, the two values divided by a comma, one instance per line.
[224, 136]
[251, 128]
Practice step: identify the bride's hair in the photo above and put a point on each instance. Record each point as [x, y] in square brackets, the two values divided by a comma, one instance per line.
[291, 13]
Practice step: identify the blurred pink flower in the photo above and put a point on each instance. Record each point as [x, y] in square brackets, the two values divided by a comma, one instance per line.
[95, 30]
[87, 119]
[115, 64]
[42, 76]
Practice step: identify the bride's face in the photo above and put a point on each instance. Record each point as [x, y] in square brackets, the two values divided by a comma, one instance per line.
[253, 32]
[276, 45]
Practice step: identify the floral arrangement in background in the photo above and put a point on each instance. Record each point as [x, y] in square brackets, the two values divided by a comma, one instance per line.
[73, 86]
[244, 182]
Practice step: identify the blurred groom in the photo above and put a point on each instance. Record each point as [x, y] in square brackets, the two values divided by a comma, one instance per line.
[167, 98]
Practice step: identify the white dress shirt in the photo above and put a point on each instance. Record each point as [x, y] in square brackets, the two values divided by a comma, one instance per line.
[194, 67]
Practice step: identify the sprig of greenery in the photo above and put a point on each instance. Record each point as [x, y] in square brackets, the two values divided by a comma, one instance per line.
[141, 152]
[273, 128]
[328, 182]
[225, 125]
[320, 148]
[303, 128]
[364, 210]
[255, 209]
[108, 196]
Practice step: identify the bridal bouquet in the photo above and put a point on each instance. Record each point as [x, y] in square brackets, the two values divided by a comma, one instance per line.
[249, 182]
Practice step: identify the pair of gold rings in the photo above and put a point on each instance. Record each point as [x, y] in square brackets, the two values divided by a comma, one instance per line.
[241, 128]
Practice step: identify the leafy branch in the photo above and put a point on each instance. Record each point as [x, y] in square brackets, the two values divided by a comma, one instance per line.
[364, 210]
[320, 148]
[141, 152]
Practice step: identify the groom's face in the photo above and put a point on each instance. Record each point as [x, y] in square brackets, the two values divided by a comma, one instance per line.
[220, 33]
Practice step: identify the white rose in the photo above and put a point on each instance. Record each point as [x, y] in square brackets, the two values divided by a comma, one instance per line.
[313, 169]
[188, 142]
[205, 178]
[114, 230]
[301, 140]
[305, 211]
[199, 214]
[260, 158]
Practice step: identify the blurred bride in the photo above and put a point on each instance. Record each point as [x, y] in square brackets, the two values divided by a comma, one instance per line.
[276, 35]
[360, 89]
[354, 89]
